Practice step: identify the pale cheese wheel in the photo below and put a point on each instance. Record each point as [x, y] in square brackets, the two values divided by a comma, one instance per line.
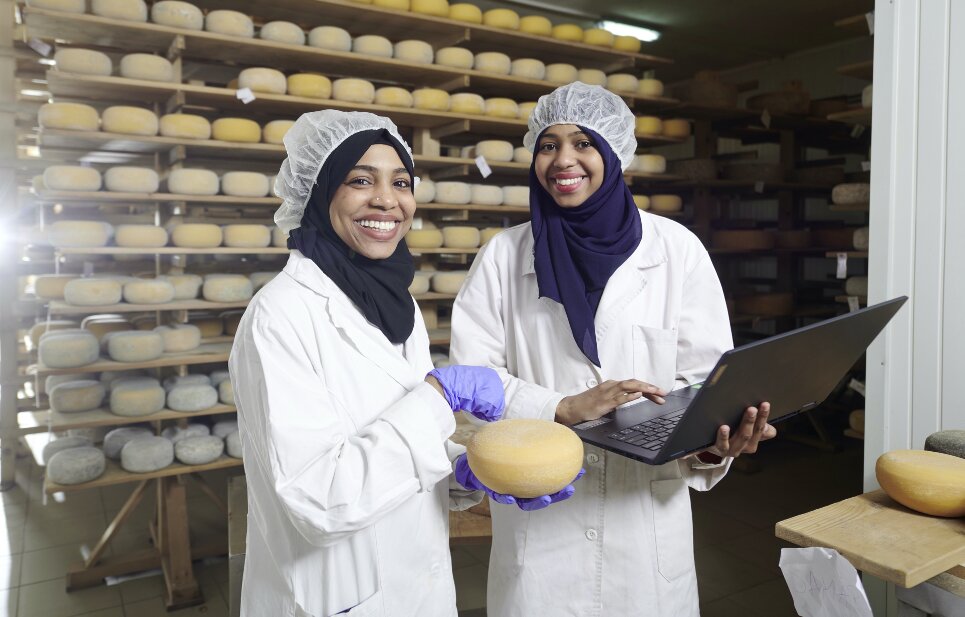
[186, 380]
[115, 440]
[536, 24]
[274, 132]
[856, 286]
[522, 155]
[240, 130]
[439, 8]
[353, 90]
[76, 466]
[282, 32]
[136, 398]
[331, 38]
[568, 32]
[372, 45]
[460, 237]
[177, 14]
[561, 73]
[68, 349]
[147, 67]
[467, 103]
[393, 97]
[148, 291]
[309, 85]
[270, 81]
[279, 237]
[526, 109]
[528, 68]
[488, 234]
[231, 23]
[860, 238]
[453, 193]
[186, 286]
[77, 396]
[649, 125]
[929, 482]
[676, 127]
[492, 62]
[185, 126]
[245, 184]
[486, 195]
[456, 57]
[398, 5]
[37, 184]
[650, 163]
[495, 150]
[425, 192]
[51, 287]
[199, 450]
[432, 99]
[666, 203]
[599, 37]
[193, 182]
[466, 12]
[101, 326]
[72, 178]
[851, 194]
[135, 346]
[93, 292]
[501, 18]
[129, 121]
[420, 282]
[594, 77]
[622, 82]
[79, 234]
[642, 202]
[226, 392]
[190, 398]
[232, 445]
[177, 433]
[516, 196]
[227, 288]
[247, 236]
[423, 238]
[84, 61]
[626, 43]
[260, 279]
[449, 282]
[61, 445]
[499, 107]
[147, 454]
[68, 116]
[412, 50]
[867, 95]
[525, 457]
[65, 6]
[196, 235]
[131, 180]
[216, 377]
[128, 10]
[650, 87]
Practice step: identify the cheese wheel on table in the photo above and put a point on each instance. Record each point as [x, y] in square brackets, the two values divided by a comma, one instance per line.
[463, 11]
[246, 236]
[929, 482]
[495, 150]
[231, 23]
[412, 50]
[244, 184]
[129, 121]
[453, 193]
[227, 288]
[439, 8]
[666, 203]
[393, 97]
[485, 195]
[622, 82]
[51, 287]
[525, 457]
[536, 24]
[185, 126]
[456, 57]
[561, 73]
[135, 346]
[67, 348]
[77, 396]
[68, 116]
[501, 18]
[353, 90]
[84, 61]
[186, 286]
[675, 127]
[449, 282]
[460, 237]
[240, 130]
[499, 107]
[594, 77]
[528, 68]
[372, 45]
[72, 178]
[626, 43]
[598, 37]
[425, 192]
[66, 6]
[147, 67]
[274, 132]
[193, 182]
[567, 32]
[493, 62]
[177, 14]
[467, 103]
[282, 32]
[196, 235]
[310, 85]
[79, 234]
[270, 81]
[148, 291]
[432, 99]
[516, 196]
[127, 10]
[131, 180]
[650, 87]
[331, 38]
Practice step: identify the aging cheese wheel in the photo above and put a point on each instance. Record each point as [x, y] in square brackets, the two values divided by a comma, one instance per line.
[499, 107]
[100, 326]
[432, 99]
[232, 444]
[115, 440]
[495, 150]
[136, 398]
[148, 291]
[516, 196]
[61, 445]
[131, 180]
[179, 338]
[279, 237]
[147, 67]
[72, 178]
[282, 32]
[453, 193]
[372, 45]
[425, 192]
[189, 398]
[676, 128]
[522, 155]
[561, 73]
[330, 37]
[271, 81]
[568, 32]
[439, 8]
[536, 24]
[176, 433]
[236, 130]
[420, 282]
[274, 132]
[622, 82]
[77, 396]
[951, 442]
[598, 36]
[196, 235]
[147, 454]
[650, 87]
[128, 10]
[231, 23]
[199, 450]
[393, 97]
[649, 125]
[456, 57]
[185, 126]
[92, 292]
[493, 62]
[861, 236]
[626, 43]
[448, 282]
[594, 77]
[186, 286]
[528, 68]
[524, 457]
[423, 238]
[353, 90]
[856, 286]
[309, 85]
[412, 50]
[244, 184]
[76, 465]
[641, 201]
[193, 182]
[466, 12]
[129, 121]
[666, 203]
[51, 287]
[246, 236]
[216, 377]
[67, 349]
[186, 380]
[85, 61]
[928, 482]
[650, 163]
[226, 392]
[69, 116]
[460, 237]
[488, 234]
[501, 18]
[485, 195]
[177, 14]
[227, 288]
[467, 103]
[135, 346]
[66, 6]
[398, 5]
[851, 194]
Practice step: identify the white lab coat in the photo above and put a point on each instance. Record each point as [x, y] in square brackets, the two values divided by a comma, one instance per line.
[623, 544]
[346, 455]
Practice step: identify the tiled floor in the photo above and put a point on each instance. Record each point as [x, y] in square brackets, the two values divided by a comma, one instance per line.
[736, 550]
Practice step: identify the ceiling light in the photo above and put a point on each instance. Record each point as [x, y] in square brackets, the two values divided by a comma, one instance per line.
[647, 35]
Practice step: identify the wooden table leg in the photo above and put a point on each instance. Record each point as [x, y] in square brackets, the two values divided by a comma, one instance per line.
[181, 587]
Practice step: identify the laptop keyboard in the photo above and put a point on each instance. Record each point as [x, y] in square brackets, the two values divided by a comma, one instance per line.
[649, 435]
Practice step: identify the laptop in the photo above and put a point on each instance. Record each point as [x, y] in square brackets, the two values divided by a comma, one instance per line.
[794, 371]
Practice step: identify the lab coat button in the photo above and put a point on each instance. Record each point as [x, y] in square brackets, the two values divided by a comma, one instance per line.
[591, 383]
[592, 457]
[591, 534]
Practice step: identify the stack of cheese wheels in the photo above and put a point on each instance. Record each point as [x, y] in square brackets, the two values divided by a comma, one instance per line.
[525, 457]
[185, 126]
[177, 14]
[246, 236]
[236, 130]
[129, 121]
[282, 32]
[929, 482]
[84, 61]
[231, 23]
[330, 37]
[131, 180]
[68, 116]
[432, 99]
[72, 178]
[79, 234]
[115, 440]
[463, 11]
[310, 85]
[449, 282]
[134, 346]
[39, 329]
[63, 444]
[68, 348]
[146, 67]
[148, 291]
[193, 182]
[270, 81]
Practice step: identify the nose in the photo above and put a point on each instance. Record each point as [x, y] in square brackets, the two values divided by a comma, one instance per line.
[383, 199]
[564, 157]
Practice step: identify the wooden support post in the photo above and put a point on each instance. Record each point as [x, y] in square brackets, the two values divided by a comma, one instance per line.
[181, 588]
[207, 490]
[129, 506]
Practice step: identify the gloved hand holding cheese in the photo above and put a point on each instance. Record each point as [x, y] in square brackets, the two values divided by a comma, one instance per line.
[477, 390]
[468, 479]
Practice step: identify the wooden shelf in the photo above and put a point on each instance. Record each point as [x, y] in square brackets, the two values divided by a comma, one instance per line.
[213, 354]
[42, 421]
[59, 307]
[105, 197]
[858, 70]
[860, 116]
[120, 142]
[171, 250]
[115, 475]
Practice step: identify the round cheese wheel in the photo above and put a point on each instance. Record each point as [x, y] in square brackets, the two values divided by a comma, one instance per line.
[598, 36]
[216, 377]
[456, 57]
[594, 77]
[867, 96]
[330, 37]
[951, 442]
[271, 81]
[65, 6]
[72, 178]
[412, 50]
[226, 392]
[486, 195]
[190, 398]
[199, 450]
[495, 150]
[77, 396]
[51, 287]
[420, 282]
[260, 279]
[186, 286]
[929, 482]
[227, 288]
[499, 107]
[493, 62]
[622, 82]
[279, 237]
[148, 291]
[147, 67]
[93, 292]
[115, 440]
[525, 457]
[666, 203]
[650, 163]
[851, 194]
[650, 87]
[488, 234]
[185, 126]
[309, 86]
[536, 24]
[528, 68]
[131, 180]
[128, 10]
[196, 235]
[439, 8]
[79, 234]
[69, 116]
[522, 155]
[525, 109]
[393, 97]
[467, 103]
[67, 349]
[244, 184]
[177, 433]
[76, 466]
[274, 132]
[282, 32]
[232, 444]
[398, 5]
[641, 201]
[129, 121]
[466, 12]
[135, 346]
[516, 196]
[372, 45]
[425, 192]
[231, 23]
[84, 61]
[61, 445]
[448, 282]
[432, 99]
[353, 90]
[856, 286]
[501, 18]
[860, 238]
[453, 193]
[676, 128]
[568, 32]
[136, 398]
[186, 380]
[649, 125]
[193, 182]
[626, 43]
[101, 326]
[460, 237]
[247, 236]
[236, 130]
[177, 14]
[561, 73]
[147, 454]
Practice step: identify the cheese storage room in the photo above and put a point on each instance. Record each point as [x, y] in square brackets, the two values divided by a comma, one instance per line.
[613, 308]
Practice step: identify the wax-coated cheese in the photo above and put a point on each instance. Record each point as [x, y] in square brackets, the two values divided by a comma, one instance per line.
[69, 116]
[641, 201]
[134, 346]
[65, 6]
[372, 45]
[193, 182]
[51, 287]
[449, 282]
[493, 62]
[466, 12]
[650, 87]
[528, 68]
[67, 349]
[147, 67]
[309, 85]
[525, 457]
[650, 163]
[598, 36]
[128, 10]
[432, 99]
[147, 454]
[191, 398]
[460, 237]
[271, 81]
[425, 192]
[851, 194]
[131, 180]
[929, 482]
[453, 193]
[331, 38]
[353, 90]
[72, 178]
[246, 236]
[499, 107]
[239, 130]
[439, 8]
[177, 14]
[536, 24]
[199, 450]
[231, 23]
[594, 77]
[185, 126]
[561, 73]
[486, 195]
[84, 61]
[77, 396]
[467, 103]
[666, 203]
[393, 97]
[626, 43]
[456, 57]
[227, 288]
[676, 127]
[516, 196]
[568, 32]
[412, 50]
[129, 121]
[495, 150]
[93, 292]
[622, 82]
[76, 466]
[501, 18]
[282, 32]
[196, 235]
[148, 291]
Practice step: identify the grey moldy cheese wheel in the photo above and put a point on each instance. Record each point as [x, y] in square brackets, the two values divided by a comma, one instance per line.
[68, 348]
[224, 428]
[190, 398]
[147, 454]
[64, 443]
[115, 440]
[77, 396]
[176, 433]
[195, 379]
[199, 450]
[226, 392]
[233, 444]
[76, 465]
[947, 442]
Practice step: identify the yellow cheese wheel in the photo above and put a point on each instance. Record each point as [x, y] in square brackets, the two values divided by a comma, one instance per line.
[488, 234]
[131, 180]
[372, 45]
[439, 8]
[448, 282]
[525, 457]
[279, 237]
[528, 68]
[594, 77]
[649, 125]
[626, 43]
[460, 236]
[129, 121]
[420, 282]
[85, 61]
[561, 73]
[69, 116]
[495, 150]
[282, 32]
[493, 62]
[568, 32]
[456, 57]
[928, 482]
[71, 178]
[330, 37]
[424, 239]
[598, 36]
[196, 235]
[501, 18]
[274, 132]
[51, 287]
[147, 67]
[353, 90]
[666, 203]
[467, 103]
[271, 81]
[247, 236]
[536, 24]
[431, 98]
[185, 126]
[140, 236]
[642, 202]
[499, 107]
[236, 129]
[464, 11]
[398, 5]
[525, 109]
[231, 23]
[412, 50]
[650, 87]
[193, 182]
[650, 163]
[393, 97]
[676, 128]
[310, 86]
[622, 82]
[245, 184]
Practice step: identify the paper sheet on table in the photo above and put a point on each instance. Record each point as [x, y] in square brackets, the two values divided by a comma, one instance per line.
[823, 583]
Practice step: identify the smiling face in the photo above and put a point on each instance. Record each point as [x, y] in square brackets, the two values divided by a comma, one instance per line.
[373, 207]
[568, 165]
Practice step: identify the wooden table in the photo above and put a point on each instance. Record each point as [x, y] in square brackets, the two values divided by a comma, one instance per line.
[881, 537]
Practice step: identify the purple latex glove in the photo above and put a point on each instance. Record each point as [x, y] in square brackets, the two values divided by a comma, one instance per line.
[474, 389]
[468, 479]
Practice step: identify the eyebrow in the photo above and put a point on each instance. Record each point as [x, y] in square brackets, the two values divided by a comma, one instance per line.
[375, 170]
[553, 135]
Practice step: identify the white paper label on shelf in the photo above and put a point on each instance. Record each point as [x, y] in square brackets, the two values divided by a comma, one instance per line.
[842, 266]
[39, 46]
[759, 186]
[857, 130]
[865, 165]
[483, 166]
[766, 119]
[857, 386]
[853, 303]
[245, 95]
[416, 223]
[870, 18]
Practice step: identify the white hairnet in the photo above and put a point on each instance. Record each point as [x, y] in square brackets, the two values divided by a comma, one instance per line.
[309, 142]
[592, 107]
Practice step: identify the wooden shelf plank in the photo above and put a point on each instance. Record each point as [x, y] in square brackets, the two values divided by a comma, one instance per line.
[858, 70]
[115, 475]
[120, 142]
[44, 420]
[860, 116]
[171, 250]
[202, 355]
[101, 197]
[59, 307]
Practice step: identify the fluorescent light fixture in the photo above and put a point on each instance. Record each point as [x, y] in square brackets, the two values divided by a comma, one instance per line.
[647, 35]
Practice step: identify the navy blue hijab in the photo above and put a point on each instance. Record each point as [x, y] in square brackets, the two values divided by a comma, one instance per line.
[576, 250]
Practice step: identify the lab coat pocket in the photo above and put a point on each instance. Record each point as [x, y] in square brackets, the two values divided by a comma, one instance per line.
[673, 527]
[370, 607]
[655, 355]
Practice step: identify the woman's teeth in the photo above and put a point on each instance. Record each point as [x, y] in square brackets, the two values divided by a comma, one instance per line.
[379, 225]
[568, 181]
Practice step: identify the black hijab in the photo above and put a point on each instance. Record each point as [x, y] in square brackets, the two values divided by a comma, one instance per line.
[378, 287]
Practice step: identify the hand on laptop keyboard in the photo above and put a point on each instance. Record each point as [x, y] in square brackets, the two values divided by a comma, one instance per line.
[753, 429]
[600, 400]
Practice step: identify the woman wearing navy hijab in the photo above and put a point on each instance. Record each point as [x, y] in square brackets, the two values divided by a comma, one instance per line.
[592, 304]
